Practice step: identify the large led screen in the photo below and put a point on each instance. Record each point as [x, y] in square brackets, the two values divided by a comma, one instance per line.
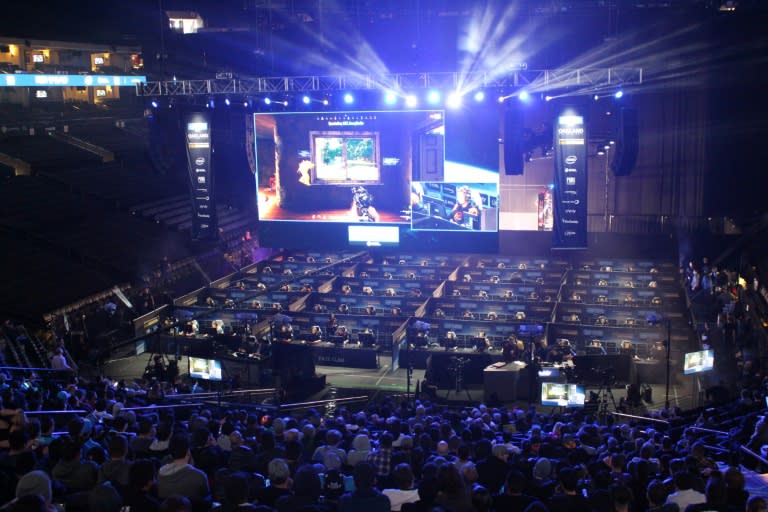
[375, 179]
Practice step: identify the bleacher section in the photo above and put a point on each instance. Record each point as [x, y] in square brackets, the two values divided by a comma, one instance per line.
[43, 151]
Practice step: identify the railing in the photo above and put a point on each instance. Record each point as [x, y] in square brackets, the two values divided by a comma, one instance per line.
[641, 418]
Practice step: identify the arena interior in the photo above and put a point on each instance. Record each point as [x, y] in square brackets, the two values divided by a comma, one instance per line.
[458, 256]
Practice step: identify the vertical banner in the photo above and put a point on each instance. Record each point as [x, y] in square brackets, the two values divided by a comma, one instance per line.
[570, 230]
[198, 132]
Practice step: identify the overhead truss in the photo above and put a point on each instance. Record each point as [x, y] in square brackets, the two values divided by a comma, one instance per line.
[539, 80]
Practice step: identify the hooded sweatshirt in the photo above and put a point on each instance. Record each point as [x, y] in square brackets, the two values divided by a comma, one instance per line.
[183, 479]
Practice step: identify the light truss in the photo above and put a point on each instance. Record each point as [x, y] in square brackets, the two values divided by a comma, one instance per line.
[539, 79]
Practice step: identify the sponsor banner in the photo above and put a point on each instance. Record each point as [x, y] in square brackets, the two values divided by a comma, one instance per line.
[198, 138]
[570, 143]
[35, 80]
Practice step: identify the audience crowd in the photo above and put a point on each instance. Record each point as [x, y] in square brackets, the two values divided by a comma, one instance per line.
[115, 449]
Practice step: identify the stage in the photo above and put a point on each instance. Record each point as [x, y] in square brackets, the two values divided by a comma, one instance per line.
[382, 380]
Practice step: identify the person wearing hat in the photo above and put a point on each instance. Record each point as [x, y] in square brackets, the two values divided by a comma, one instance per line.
[35, 483]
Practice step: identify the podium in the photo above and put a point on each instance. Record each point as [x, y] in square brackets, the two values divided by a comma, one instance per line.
[506, 383]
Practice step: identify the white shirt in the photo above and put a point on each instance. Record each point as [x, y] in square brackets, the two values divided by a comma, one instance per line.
[399, 496]
[687, 497]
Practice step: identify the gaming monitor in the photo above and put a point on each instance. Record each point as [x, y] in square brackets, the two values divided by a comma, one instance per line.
[556, 394]
[206, 369]
[698, 362]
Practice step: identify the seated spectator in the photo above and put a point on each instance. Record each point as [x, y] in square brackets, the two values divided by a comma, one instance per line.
[493, 469]
[513, 497]
[74, 474]
[104, 498]
[35, 483]
[141, 481]
[657, 494]
[361, 449]
[117, 469]
[716, 497]
[403, 479]
[241, 457]
[306, 493]
[737, 495]
[146, 435]
[365, 496]
[684, 493]
[381, 458]
[453, 494]
[567, 497]
[332, 441]
[428, 489]
[236, 494]
[179, 477]
[279, 483]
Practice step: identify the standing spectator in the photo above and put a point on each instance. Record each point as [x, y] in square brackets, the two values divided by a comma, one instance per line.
[365, 497]
[59, 361]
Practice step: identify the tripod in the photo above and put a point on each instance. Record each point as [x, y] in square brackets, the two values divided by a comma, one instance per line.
[604, 394]
[457, 368]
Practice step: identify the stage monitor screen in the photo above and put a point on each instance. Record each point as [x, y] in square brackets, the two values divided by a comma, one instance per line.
[698, 362]
[556, 394]
[391, 179]
[205, 369]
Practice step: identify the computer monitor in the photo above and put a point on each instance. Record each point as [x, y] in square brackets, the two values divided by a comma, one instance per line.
[556, 394]
[366, 338]
[206, 369]
[698, 362]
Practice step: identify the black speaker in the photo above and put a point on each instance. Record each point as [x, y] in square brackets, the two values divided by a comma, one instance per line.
[513, 142]
[625, 154]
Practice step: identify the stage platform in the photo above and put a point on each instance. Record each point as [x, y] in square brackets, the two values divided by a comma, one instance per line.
[383, 380]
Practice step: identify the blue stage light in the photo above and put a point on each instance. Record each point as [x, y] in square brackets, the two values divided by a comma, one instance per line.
[155, 104]
[411, 100]
[268, 100]
[524, 96]
[305, 99]
[211, 103]
[325, 102]
[618, 94]
[479, 96]
[433, 97]
[454, 100]
[390, 97]
[227, 102]
[349, 99]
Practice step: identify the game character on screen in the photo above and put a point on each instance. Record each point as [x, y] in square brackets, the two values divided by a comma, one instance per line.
[465, 208]
[304, 172]
[362, 205]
